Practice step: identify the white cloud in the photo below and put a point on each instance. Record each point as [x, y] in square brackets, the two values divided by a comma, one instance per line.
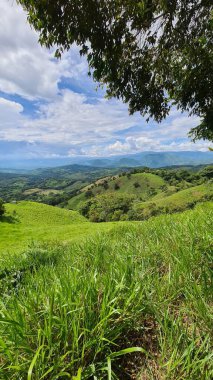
[10, 114]
[69, 118]
[26, 68]
[179, 126]
[142, 144]
[132, 144]
[92, 128]
[8, 105]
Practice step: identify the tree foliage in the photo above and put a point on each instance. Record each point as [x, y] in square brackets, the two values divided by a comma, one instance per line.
[152, 53]
[107, 207]
[2, 209]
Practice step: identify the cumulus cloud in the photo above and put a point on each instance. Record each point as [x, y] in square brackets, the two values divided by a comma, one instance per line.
[70, 118]
[143, 144]
[26, 68]
[10, 114]
[80, 127]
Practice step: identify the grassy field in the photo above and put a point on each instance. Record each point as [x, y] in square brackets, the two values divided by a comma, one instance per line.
[132, 303]
[27, 222]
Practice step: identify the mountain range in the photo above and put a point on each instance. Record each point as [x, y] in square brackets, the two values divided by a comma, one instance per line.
[149, 159]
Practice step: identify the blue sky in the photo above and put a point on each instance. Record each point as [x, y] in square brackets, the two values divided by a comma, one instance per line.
[52, 108]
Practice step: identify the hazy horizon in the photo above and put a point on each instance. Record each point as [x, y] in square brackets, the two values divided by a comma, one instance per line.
[148, 158]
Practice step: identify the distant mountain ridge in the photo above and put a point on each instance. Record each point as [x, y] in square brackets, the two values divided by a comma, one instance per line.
[158, 159]
[150, 159]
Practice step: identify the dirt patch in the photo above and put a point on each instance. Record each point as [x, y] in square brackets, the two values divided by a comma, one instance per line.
[135, 366]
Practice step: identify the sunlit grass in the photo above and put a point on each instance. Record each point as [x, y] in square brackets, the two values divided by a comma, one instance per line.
[69, 311]
[180, 199]
[27, 222]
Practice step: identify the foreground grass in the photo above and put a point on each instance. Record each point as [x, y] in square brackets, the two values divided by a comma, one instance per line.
[30, 221]
[68, 312]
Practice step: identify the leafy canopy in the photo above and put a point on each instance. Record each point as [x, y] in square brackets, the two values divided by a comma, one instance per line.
[152, 54]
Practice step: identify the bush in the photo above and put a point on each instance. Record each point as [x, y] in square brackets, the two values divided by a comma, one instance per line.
[88, 194]
[2, 208]
[105, 185]
[136, 185]
[117, 215]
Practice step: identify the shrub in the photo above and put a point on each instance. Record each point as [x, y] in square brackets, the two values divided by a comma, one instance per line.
[136, 185]
[117, 215]
[88, 194]
[105, 185]
[2, 208]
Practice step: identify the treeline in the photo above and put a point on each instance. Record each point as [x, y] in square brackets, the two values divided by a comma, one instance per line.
[176, 176]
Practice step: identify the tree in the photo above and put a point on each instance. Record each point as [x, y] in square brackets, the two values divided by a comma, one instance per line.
[207, 172]
[107, 207]
[89, 194]
[152, 54]
[136, 184]
[105, 185]
[2, 208]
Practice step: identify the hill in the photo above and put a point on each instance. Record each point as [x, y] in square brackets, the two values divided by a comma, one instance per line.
[179, 201]
[27, 222]
[143, 192]
[138, 184]
[51, 185]
[132, 303]
[56, 186]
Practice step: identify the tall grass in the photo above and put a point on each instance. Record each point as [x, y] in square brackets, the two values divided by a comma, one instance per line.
[135, 303]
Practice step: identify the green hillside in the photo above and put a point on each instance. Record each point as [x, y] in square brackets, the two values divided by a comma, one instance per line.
[140, 185]
[132, 303]
[52, 186]
[179, 201]
[140, 195]
[25, 222]
[127, 184]
[32, 213]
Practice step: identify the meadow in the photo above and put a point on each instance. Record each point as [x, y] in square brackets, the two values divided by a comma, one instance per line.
[131, 302]
[30, 222]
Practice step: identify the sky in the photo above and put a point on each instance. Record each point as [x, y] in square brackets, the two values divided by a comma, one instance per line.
[51, 108]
